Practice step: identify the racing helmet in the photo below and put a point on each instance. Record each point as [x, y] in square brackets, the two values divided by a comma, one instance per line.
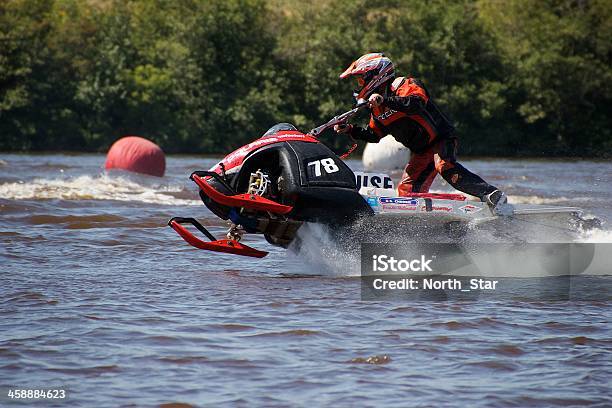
[371, 70]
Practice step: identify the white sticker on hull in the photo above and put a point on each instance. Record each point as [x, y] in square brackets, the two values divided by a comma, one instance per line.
[376, 180]
[470, 209]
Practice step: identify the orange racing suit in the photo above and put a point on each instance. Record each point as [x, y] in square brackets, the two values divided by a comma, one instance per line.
[410, 115]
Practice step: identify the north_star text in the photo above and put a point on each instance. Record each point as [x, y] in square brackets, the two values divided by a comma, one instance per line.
[483, 284]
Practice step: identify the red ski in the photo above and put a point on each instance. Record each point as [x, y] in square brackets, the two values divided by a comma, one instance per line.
[227, 246]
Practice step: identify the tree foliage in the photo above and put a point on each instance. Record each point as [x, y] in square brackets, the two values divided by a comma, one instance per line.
[518, 76]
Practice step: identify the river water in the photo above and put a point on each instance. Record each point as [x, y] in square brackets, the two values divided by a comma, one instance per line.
[100, 298]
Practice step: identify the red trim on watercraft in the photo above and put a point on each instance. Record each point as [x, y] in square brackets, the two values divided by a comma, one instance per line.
[236, 157]
[227, 246]
[250, 201]
[349, 151]
[440, 196]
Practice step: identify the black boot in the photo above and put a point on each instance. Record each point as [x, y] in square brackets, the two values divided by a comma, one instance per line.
[496, 200]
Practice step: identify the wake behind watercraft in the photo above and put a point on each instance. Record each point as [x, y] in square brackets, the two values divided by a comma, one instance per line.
[286, 178]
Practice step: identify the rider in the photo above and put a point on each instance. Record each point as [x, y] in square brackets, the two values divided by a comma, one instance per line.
[403, 108]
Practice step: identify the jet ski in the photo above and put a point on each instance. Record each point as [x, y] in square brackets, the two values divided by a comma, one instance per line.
[456, 213]
[286, 178]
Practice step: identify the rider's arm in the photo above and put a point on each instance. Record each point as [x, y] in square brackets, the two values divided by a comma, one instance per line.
[407, 104]
[409, 97]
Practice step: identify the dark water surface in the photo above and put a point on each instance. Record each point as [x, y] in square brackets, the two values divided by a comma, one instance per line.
[100, 298]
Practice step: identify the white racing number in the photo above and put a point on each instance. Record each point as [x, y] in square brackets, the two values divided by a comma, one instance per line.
[327, 164]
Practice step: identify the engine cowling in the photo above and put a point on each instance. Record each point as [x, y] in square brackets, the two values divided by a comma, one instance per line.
[304, 174]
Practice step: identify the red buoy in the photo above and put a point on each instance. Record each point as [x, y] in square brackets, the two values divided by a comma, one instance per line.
[133, 153]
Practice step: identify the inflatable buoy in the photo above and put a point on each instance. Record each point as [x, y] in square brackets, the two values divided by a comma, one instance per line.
[133, 153]
[388, 154]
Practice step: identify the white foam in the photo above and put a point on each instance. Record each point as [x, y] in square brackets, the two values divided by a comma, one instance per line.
[100, 187]
[316, 250]
[323, 252]
[519, 199]
[596, 236]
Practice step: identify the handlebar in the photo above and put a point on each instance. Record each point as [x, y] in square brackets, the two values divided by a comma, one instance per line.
[336, 120]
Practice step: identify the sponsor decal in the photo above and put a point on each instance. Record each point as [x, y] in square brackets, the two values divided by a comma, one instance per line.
[377, 180]
[372, 201]
[399, 207]
[470, 208]
[292, 136]
[386, 114]
[437, 208]
[399, 200]
[399, 203]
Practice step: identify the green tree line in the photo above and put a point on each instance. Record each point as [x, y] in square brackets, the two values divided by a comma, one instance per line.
[518, 77]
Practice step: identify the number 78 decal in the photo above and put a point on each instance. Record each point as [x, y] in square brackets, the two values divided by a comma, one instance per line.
[327, 164]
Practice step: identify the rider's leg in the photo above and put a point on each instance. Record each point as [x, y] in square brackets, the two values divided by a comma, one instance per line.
[456, 175]
[419, 174]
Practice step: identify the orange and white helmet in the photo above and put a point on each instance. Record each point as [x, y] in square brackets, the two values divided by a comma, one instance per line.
[371, 70]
